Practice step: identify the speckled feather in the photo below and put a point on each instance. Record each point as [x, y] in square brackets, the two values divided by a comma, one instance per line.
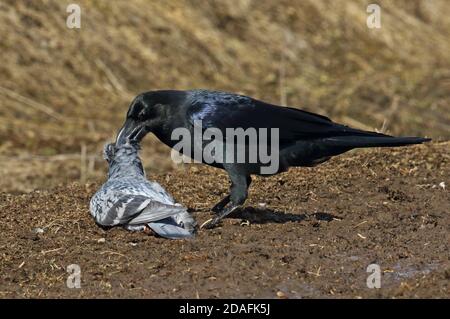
[128, 199]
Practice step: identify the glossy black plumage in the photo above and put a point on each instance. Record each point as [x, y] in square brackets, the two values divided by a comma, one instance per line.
[305, 139]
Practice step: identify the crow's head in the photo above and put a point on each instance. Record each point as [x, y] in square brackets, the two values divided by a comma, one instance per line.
[147, 113]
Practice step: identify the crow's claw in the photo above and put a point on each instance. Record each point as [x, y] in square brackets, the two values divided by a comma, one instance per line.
[211, 223]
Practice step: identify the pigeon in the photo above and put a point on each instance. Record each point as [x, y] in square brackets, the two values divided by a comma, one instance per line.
[129, 200]
[305, 139]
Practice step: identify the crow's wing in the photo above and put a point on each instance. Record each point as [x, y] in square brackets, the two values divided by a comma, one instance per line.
[226, 110]
[134, 210]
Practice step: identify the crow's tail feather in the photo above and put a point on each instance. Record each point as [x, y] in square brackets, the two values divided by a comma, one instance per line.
[351, 141]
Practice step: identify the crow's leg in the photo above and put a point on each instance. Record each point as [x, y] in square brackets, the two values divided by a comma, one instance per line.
[238, 195]
[220, 205]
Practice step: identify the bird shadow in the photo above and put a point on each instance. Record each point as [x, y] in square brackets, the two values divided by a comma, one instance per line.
[265, 215]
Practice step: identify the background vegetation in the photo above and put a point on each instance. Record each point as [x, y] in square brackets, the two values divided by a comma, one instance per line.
[64, 93]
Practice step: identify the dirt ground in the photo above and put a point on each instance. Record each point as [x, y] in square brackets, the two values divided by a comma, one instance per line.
[307, 233]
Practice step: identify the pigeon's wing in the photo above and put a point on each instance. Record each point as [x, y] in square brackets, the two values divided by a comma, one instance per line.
[226, 110]
[156, 211]
[136, 209]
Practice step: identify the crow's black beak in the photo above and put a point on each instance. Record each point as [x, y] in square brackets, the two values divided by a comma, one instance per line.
[131, 130]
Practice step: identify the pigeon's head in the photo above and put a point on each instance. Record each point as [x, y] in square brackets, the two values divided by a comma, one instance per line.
[109, 151]
[147, 113]
[113, 152]
[123, 159]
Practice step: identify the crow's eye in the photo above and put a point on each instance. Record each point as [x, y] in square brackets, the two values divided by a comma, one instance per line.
[145, 114]
[136, 107]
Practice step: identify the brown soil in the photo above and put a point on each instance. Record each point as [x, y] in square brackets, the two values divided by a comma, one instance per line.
[306, 233]
[64, 93]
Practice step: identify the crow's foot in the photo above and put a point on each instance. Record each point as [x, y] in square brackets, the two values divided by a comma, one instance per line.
[219, 216]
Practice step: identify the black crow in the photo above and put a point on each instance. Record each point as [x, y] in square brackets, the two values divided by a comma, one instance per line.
[302, 138]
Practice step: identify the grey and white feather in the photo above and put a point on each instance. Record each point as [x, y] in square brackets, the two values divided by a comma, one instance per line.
[128, 199]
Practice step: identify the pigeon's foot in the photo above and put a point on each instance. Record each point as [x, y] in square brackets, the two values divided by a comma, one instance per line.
[135, 228]
[147, 230]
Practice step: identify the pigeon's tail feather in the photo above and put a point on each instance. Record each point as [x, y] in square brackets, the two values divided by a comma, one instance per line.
[169, 230]
[178, 226]
[186, 221]
[156, 211]
[373, 141]
[167, 220]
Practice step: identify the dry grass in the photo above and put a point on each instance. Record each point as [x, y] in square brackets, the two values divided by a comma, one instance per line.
[61, 88]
